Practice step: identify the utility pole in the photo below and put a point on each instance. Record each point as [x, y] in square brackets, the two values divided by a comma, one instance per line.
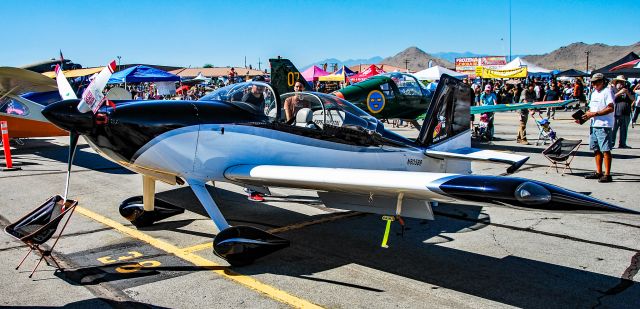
[406, 64]
[510, 31]
[259, 63]
[119, 57]
[587, 52]
[245, 62]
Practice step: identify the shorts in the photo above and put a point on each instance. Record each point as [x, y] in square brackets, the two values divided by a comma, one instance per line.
[600, 139]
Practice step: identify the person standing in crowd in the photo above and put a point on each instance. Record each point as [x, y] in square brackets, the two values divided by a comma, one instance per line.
[551, 95]
[527, 96]
[232, 76]
[623, 100]
[488, 97]
[601, 114]
[578, 91]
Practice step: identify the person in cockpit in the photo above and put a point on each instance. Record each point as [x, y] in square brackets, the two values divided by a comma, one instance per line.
[256, 95]
[294, 103]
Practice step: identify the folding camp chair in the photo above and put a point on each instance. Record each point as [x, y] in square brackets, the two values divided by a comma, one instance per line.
[561, 151]
[37, 227]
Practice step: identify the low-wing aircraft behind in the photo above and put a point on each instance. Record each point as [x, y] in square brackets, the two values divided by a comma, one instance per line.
[23, 95]
[333, 147]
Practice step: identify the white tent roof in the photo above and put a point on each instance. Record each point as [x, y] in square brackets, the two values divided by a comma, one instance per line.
[434, 73]
[519, 62]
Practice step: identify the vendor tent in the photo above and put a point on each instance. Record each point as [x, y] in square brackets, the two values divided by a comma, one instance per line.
[532, 69]
[141, 74]
[434, 73]
[628, 72]
[372, 70]
[572, 73]
[338, 76]
[311, 74]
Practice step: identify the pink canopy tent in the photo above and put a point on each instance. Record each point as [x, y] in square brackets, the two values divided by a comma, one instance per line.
[311, 74]
[372, 70]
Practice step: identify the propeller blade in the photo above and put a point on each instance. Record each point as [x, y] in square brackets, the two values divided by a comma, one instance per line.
[92, 97]
[64, 88]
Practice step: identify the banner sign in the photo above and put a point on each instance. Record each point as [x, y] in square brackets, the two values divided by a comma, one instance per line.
[489, 73]
[468, 65]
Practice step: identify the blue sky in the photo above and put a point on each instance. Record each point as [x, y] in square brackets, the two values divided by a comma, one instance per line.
[192, 33]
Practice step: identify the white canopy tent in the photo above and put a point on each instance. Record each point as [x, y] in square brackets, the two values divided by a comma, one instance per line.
[519, 62]
[434, 73]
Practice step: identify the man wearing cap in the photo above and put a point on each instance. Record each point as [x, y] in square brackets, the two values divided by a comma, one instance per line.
[602, 119]
[622, 99]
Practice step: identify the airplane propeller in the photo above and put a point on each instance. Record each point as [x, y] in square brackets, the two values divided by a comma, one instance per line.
[94, 90]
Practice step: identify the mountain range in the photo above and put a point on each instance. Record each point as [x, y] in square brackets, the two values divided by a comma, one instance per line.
[572, 56]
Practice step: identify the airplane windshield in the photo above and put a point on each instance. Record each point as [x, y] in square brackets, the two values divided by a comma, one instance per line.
[407, 84]
[333, 102]
[255, 97]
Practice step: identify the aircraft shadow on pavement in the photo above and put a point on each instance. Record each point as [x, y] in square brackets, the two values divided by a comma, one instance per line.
[100, 302]
[84, 159]
[416, 254]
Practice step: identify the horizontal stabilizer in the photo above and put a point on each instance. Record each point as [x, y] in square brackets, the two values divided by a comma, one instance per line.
[474, 154]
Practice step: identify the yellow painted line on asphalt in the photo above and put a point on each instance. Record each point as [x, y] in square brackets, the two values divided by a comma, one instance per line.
[247, 281]
[209, 245]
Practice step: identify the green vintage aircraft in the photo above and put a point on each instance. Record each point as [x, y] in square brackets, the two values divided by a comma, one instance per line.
[389, 95]
[385, 96]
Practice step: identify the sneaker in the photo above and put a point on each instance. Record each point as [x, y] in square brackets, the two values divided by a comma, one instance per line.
[593, 176]
[605, 178]
[624, 147]
[256, 197]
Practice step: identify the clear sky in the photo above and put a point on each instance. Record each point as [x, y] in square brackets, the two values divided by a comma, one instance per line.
[192, 32]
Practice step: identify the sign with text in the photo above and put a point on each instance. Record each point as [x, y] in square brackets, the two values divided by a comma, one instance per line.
[468, 65]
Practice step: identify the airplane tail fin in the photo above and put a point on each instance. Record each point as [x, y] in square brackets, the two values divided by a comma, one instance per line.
[448, 114]
[284, 76]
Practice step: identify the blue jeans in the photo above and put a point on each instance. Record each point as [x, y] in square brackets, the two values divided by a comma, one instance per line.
[622, 123]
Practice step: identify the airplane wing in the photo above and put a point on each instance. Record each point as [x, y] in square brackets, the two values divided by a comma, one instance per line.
[517, 106]
[410, 193]
[18, 81]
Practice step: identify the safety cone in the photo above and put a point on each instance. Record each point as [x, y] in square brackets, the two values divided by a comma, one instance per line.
[7, 149]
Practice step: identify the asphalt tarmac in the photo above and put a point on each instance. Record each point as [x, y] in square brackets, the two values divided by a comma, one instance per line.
[470, 256]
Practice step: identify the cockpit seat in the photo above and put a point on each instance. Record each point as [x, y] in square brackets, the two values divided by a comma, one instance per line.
[304, 118]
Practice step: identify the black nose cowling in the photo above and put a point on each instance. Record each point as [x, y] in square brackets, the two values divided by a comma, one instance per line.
[66, 116]
[524, 193]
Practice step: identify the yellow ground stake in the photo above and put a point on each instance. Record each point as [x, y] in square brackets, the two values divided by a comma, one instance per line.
[385, 238]
[197, 260]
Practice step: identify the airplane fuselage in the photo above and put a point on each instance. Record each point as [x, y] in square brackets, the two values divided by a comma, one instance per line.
[200, 140]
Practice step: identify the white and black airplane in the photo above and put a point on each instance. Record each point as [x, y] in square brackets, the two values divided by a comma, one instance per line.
[330, 146]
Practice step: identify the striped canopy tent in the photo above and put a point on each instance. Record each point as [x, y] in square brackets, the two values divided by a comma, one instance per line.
[313, 73]
[340, 75]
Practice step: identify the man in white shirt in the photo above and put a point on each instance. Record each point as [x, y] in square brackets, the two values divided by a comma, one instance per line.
[602, 119]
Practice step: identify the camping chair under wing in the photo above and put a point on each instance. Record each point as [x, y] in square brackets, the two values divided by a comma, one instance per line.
[561, 151]
[37, 227]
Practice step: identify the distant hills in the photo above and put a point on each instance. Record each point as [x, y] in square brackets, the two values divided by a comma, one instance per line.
[417, 59]
[572, 56]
